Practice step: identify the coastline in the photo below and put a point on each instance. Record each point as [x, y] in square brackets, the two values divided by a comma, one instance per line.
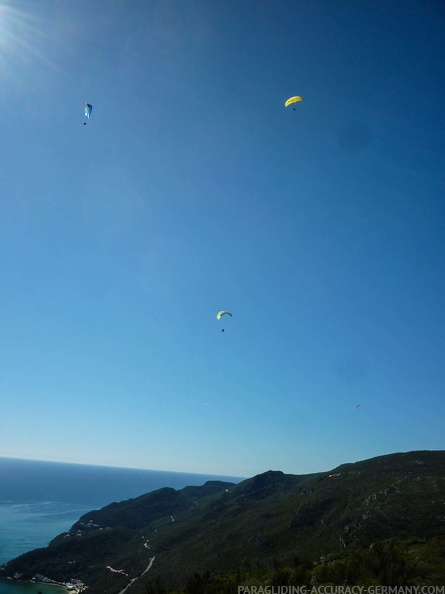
[8, 584]
[41, 587]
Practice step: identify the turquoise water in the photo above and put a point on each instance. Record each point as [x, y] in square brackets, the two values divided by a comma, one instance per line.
[9, 587]
[27, 526]
[39, 500]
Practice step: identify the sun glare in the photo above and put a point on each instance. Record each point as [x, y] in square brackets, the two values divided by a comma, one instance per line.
[23, 37]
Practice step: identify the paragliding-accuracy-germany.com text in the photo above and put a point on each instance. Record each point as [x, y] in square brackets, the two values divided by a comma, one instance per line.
[341, 590]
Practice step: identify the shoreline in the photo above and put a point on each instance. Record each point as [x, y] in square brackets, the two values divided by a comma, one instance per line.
[61, 586]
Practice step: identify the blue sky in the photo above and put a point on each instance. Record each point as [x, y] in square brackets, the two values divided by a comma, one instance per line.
[193, 189]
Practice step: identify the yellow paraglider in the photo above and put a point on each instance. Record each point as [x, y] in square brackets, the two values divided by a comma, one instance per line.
[293, 100]
[222, 313]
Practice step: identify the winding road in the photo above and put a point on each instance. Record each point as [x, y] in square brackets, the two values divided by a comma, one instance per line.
[136, 578]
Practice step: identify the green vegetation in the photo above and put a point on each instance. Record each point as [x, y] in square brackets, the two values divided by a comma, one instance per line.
[380, 521]
[386, 563]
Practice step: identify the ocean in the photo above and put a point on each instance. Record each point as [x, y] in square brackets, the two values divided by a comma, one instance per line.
[39, 500]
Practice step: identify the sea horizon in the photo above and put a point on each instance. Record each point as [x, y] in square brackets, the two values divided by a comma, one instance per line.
[21, 480]
[40, 500]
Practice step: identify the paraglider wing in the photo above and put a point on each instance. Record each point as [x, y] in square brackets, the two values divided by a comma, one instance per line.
[222, 313]
[293, 100]
[88, 110]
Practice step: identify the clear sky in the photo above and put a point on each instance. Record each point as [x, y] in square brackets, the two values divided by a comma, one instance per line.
[192, 189]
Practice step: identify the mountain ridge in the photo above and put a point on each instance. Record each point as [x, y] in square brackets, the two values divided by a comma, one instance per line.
[222, 526]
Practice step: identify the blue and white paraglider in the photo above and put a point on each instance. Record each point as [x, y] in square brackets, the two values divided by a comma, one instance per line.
[88, 110]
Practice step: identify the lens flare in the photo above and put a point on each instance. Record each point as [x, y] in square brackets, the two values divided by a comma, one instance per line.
[25, 40]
